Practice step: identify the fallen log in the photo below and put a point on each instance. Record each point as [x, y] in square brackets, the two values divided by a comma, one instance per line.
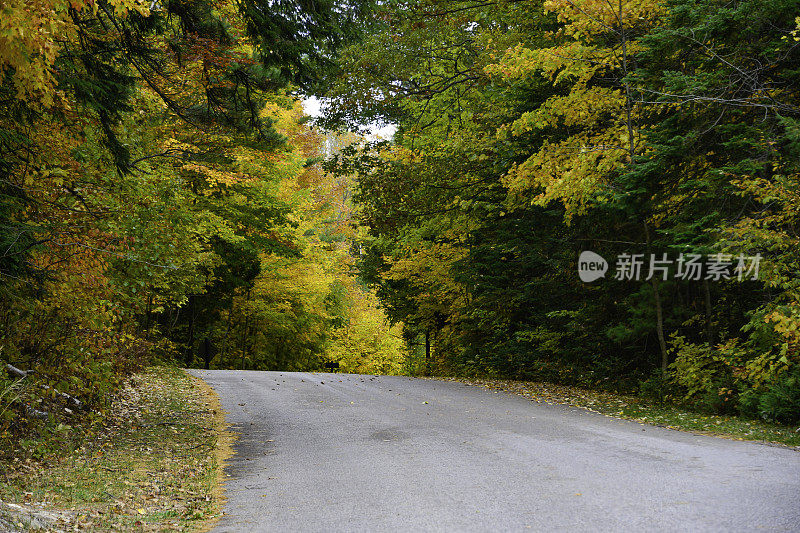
[16, 371]
[25, 373]
[35, 413]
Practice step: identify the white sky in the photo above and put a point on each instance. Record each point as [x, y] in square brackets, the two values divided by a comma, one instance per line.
[312, 105]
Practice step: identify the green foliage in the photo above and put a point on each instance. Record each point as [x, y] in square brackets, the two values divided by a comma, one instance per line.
[526, 135]
[161, 192]
[777, 401]
[659, 386]
[155, 200]
[698, 368]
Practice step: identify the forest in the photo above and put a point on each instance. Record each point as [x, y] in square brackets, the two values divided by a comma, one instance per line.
[165, 199]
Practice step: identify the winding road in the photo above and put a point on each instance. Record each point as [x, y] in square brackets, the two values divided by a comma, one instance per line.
[344, 452]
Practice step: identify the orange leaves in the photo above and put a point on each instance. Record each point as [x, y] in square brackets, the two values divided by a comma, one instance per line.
[211, 54]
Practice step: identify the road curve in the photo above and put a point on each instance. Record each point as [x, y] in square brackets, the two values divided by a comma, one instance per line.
[344, 452]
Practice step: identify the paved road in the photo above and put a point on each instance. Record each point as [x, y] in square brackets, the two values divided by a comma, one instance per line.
[339, 452]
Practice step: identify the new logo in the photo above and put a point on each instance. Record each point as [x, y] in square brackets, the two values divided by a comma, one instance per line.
[591, 266]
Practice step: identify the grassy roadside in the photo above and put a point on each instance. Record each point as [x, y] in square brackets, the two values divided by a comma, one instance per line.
[154, 465]
[642, 410]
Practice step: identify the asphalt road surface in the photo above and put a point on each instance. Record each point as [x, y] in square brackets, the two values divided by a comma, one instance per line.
[344, 452]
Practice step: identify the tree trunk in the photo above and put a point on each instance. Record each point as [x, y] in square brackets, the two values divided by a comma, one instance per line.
[224, 349]
[245, 327]
[660, 326]
[427, 351]
[662, 343]
[22, 374]
[244, 340]
[207, 353]
[148, 315]
[190, 347]
[279, 354]
[709, 325]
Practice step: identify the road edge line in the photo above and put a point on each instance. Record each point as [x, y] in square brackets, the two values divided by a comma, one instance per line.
[223, 450]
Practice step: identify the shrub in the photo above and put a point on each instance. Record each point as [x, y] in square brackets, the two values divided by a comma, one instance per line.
[720, 399]
[698, 368]
[778, 401]
[657, 387]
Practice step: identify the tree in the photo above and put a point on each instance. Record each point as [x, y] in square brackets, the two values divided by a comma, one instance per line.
[140, 166]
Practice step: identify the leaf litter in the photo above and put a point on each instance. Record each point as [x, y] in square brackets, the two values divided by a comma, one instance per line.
[153, 464]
